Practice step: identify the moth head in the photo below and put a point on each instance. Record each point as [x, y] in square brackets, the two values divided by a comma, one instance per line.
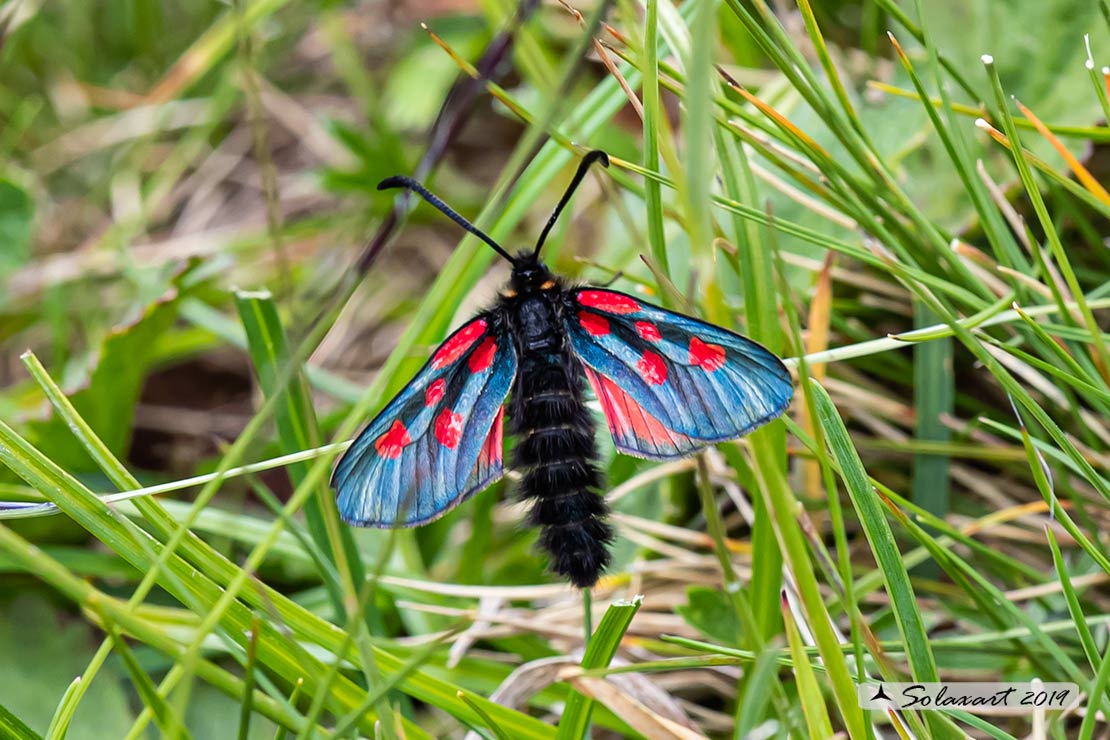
[530, 274]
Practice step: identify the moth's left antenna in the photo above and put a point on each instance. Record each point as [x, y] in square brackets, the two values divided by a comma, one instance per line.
[401, 181]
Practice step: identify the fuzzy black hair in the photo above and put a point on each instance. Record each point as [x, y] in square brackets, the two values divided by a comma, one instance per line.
[557, 453]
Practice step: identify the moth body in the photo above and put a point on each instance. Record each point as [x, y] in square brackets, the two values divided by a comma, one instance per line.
[556, 449]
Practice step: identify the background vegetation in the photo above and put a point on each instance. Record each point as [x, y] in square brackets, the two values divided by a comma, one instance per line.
[186, 194]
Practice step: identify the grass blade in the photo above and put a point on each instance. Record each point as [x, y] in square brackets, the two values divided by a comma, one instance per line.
[14, 728]
[603, 646]
[298, 430]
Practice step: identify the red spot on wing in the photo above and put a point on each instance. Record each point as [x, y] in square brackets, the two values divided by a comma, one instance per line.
[709, 357]
[435, 392]
[392, 442]
[652, 368]
[594, 324]
[648, 331]
[448, 428]
[458, 343]
[605, 300]
[483, 356]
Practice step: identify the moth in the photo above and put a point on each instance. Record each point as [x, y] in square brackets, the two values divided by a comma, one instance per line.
[668, 385]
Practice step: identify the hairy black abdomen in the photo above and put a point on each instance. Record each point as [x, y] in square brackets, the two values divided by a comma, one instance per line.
[556, 451]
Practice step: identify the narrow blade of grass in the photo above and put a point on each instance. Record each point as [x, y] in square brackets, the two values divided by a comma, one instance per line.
[933, 400]
[166, 719]
[63, 715]
[809, 693]
[13, 727]
[298, 430]
[879, 536]
[603, 646]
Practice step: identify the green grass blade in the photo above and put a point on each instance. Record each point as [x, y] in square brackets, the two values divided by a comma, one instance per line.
[67, 705]
[654, 121]
[246, 708]
[781, 507]
[168, 722]
[233, 617]
[603, 646]
[699, 154]
[1051, 233]
[298, 430]
[1097, 687]
[487, 721]
[933, 400]
[809, 693]
[879, 536]
[14, 728]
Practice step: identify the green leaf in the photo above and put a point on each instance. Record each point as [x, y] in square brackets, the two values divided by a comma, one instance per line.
[298, 430]
[933, 394]
[711, 612]
[809, 692]
[167, 722]
[192, 585]
[107, 397]
[47, 652]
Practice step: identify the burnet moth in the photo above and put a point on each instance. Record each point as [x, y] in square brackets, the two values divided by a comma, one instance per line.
[668, 385]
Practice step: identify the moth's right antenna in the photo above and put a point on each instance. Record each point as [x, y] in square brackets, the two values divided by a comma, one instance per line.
[595, 156]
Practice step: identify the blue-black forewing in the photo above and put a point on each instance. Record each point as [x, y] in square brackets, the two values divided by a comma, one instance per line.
[438, 441]
[670, 384]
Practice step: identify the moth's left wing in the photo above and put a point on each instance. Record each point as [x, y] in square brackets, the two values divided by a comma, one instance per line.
[439, 441]
[670, 384]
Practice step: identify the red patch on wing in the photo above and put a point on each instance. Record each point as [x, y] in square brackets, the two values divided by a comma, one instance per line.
[652, 368]
[392, 442]
[490, 455]
[709, 357]
[594, 324]
[435, 392]
[626, 416]
[449, 428]
[605, 300]
[458, 343]
[648, 331]
[483, 356]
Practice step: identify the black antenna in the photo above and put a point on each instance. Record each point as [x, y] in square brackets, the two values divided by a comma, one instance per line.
[594, 156]
[401, 181]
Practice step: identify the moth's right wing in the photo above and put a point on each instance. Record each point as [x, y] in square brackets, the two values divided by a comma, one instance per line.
[670, 384]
